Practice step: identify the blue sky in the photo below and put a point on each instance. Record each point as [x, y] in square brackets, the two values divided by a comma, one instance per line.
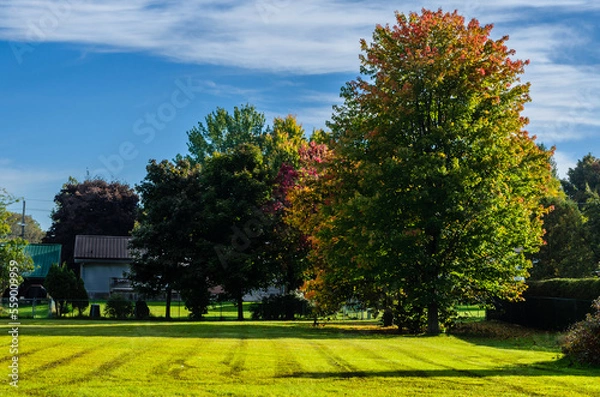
[104, 86]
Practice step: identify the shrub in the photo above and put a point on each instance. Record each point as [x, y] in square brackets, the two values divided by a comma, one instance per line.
[280, 307]
[118, 307]
[61, 284]
[141, 309]
[582, 342]
[196, 301]
[81, 299]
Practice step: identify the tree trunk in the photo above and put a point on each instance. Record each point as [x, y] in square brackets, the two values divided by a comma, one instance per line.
[433, 323]
[168, 309]
[240, 308]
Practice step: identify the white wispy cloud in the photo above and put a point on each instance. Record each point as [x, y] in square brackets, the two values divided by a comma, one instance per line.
[275, 35]
[315, 37]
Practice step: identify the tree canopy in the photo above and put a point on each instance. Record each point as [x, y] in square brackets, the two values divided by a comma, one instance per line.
[94, 207]
[223, 206]
[433, 193]
[223, 131]
[33, 231]
[13, 260]
[163, 251]
[65, 287]
[566, 251]
[583, 180]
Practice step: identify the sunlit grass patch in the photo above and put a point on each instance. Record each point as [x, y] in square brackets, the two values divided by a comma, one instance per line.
[109, 358]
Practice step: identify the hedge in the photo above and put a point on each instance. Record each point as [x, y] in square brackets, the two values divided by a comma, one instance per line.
[552, 304]
[569, 288]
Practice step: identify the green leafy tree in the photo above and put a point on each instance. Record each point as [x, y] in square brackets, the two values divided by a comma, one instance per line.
[566, 252]
[434, 191]
[80, 297]
[162, 241]
[204, 226]
[223, 132]
[284, 145]
[94, 207]
[584, 179]
[33, 232]
[13, 260]
[63, 286]
[583, 187]
[237, 190]
[591, 210]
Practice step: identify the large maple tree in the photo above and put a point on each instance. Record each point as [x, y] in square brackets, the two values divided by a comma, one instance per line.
[433, 194]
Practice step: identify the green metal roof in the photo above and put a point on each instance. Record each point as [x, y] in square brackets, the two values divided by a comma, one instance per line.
[44, 256]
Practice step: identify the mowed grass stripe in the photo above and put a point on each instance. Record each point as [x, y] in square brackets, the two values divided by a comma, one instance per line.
[491, 372]
[178, 359]
[285, 358]
[418, 361]
[292, 359]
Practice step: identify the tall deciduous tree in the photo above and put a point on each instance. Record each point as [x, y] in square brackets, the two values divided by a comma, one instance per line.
[93, 207]
[435, 188]
[237, 190]
[13, 260]
[288, 251]
[205, 226]
[162, 240]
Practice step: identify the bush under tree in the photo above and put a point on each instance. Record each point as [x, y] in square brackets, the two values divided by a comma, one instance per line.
[280, 307]
[64, 287]
[582, 342]
[118, 307]
[142, 310]
[80, 298]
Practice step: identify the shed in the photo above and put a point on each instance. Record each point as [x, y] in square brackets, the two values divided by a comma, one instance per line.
[103, 262]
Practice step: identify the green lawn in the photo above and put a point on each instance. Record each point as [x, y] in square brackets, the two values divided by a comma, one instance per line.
[106, 358]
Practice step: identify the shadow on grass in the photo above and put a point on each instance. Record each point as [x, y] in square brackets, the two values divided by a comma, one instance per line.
[207, 329]
[550, 368]
[507, 336]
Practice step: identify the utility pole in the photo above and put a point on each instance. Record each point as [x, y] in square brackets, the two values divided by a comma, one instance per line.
[23, 221]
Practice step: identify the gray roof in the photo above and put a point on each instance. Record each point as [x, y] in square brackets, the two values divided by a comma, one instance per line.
[102, 247]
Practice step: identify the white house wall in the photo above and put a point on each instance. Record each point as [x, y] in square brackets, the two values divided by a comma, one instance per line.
[96, 276]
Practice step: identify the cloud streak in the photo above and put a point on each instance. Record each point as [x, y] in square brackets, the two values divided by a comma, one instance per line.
[319, 37]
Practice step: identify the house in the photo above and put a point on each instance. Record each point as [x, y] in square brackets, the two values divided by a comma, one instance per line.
[103, 262]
